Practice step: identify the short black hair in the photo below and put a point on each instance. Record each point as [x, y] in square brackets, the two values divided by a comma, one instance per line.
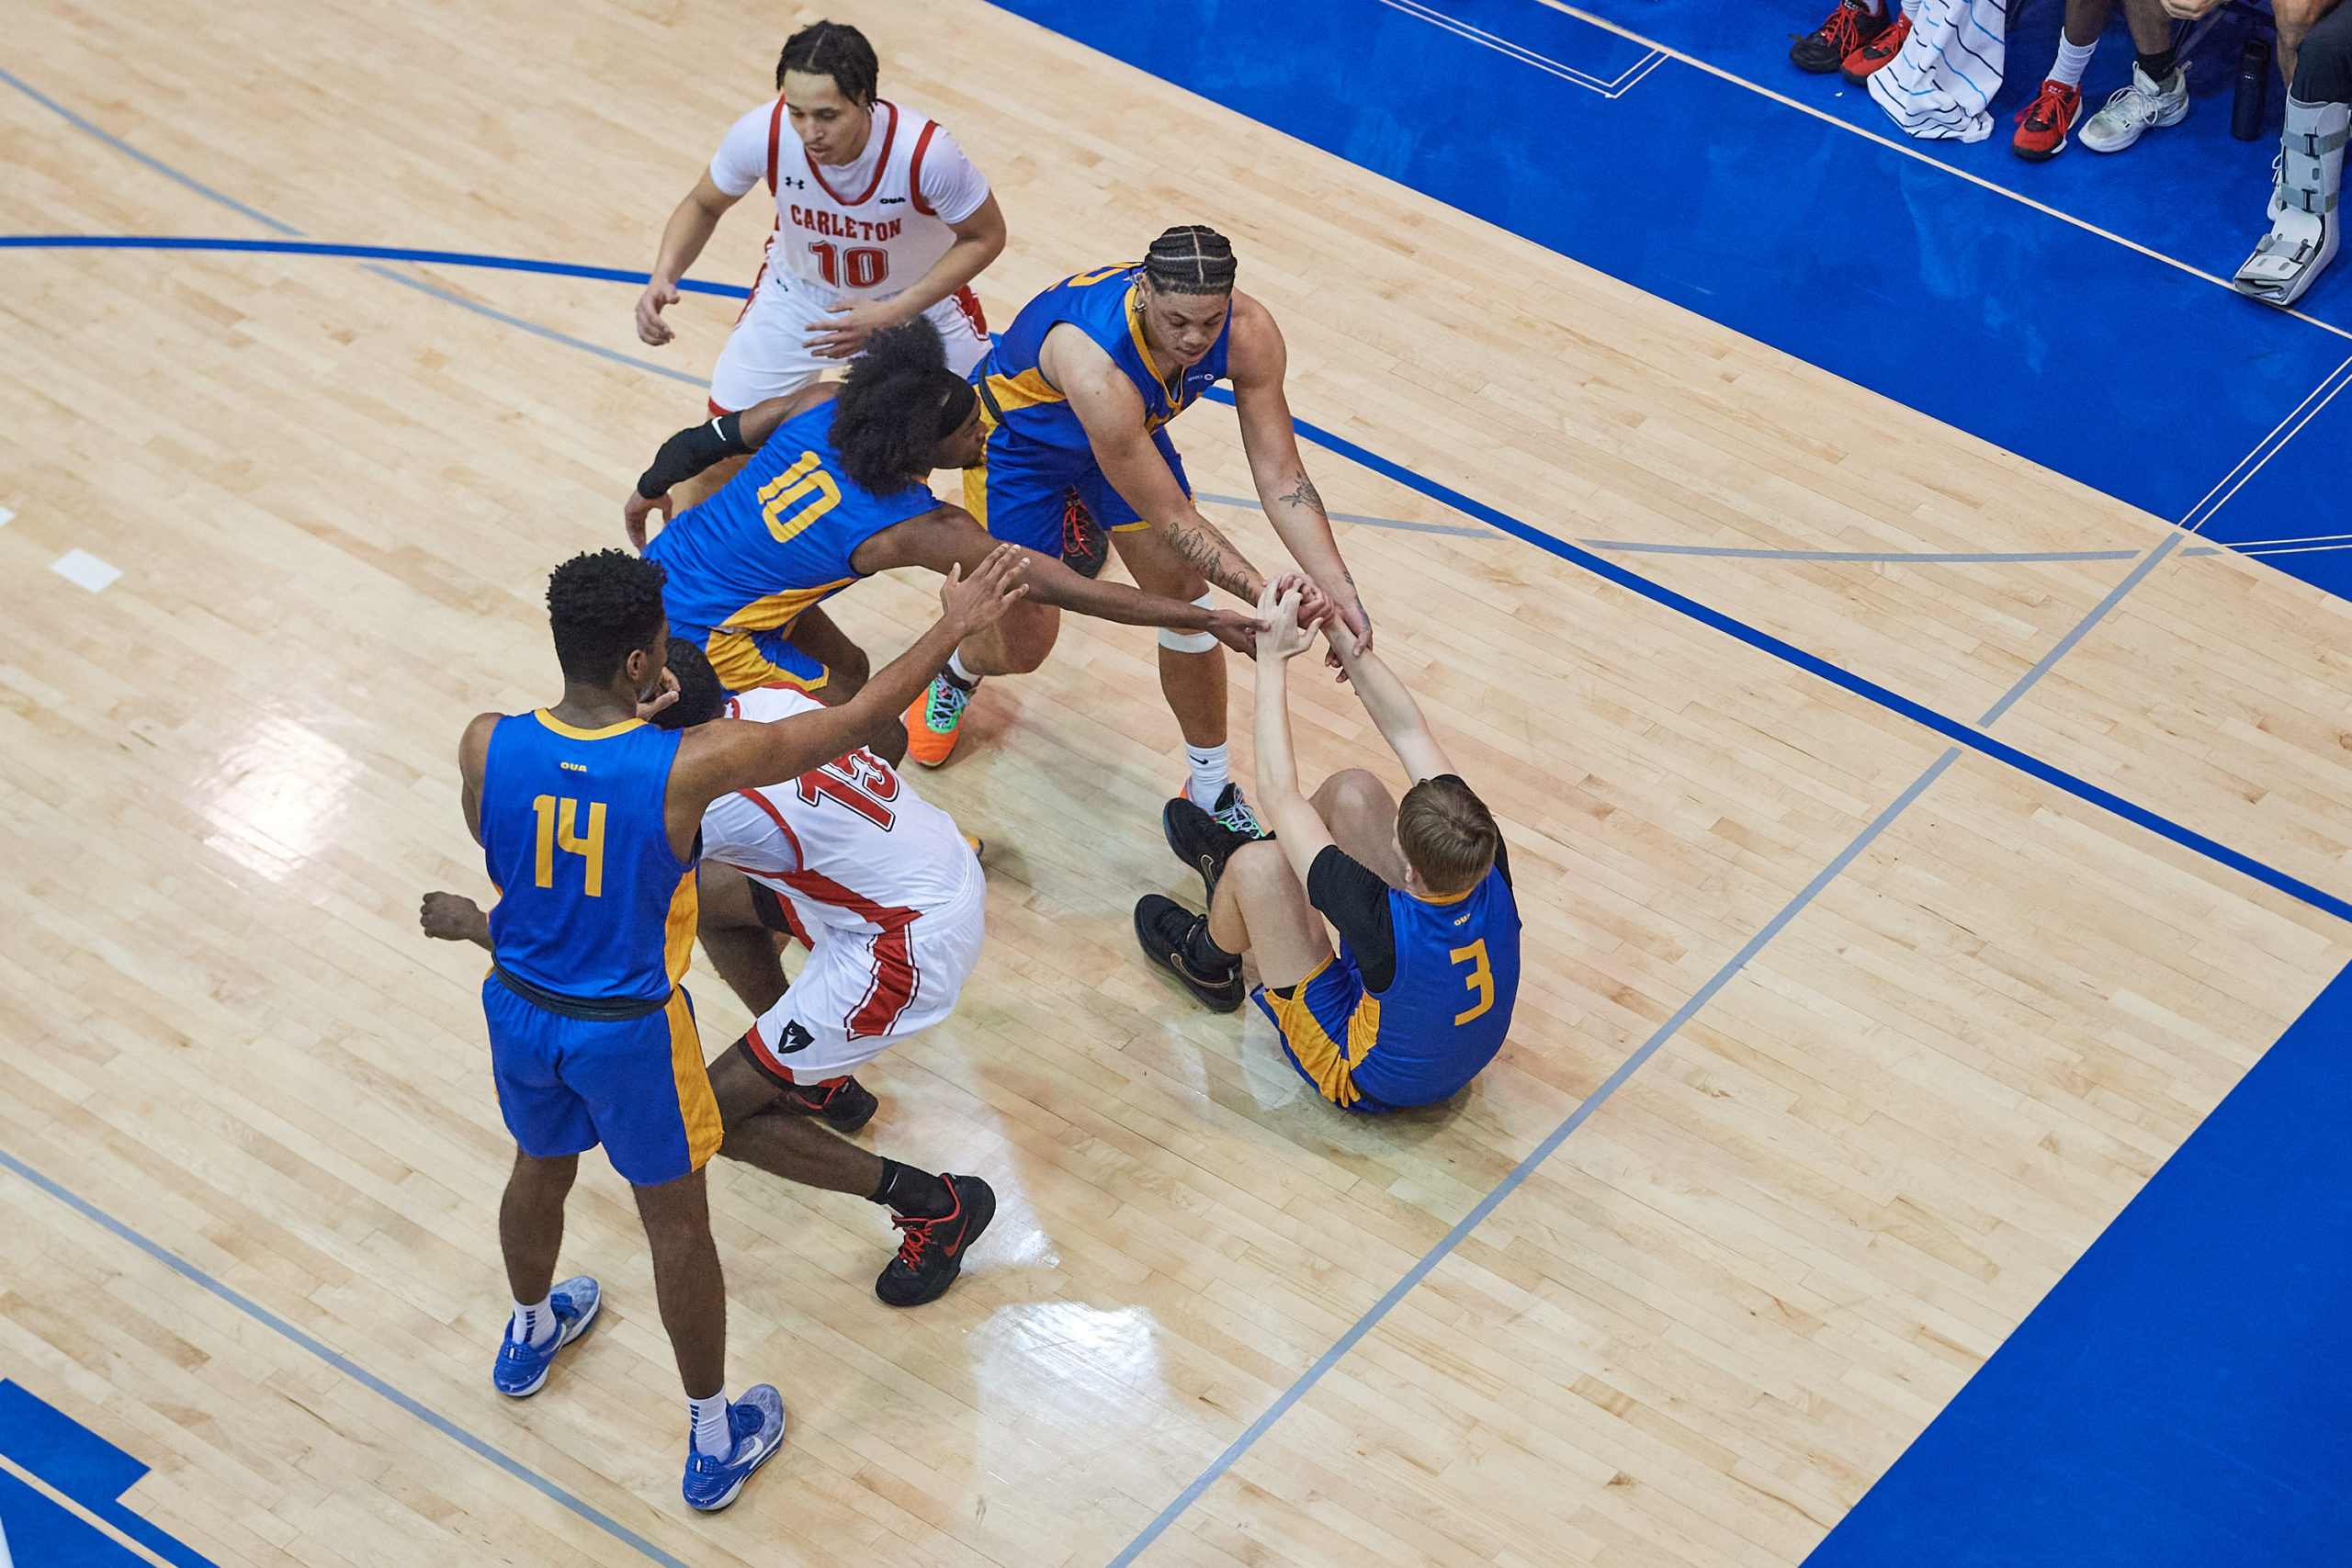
[1190, 259]
[835, 50]
[700, 696]
[602, 606]
[897, 401]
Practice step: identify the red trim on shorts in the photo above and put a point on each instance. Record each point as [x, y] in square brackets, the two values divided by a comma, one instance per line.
[767, 1058]
[968, 304]
[881, 164]
[914, 171]
[896, 979]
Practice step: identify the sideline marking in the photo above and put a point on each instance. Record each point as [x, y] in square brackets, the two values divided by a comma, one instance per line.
[80, 1511]
[339, 1362]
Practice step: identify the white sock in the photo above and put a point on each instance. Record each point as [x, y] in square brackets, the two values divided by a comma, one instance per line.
[2072, 57]
[711, 1435]
[956, 663]
[1211, 771]
[534, 1326]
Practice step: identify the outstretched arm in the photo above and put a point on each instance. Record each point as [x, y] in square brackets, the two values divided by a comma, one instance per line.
[697, 447]
[1392, 707]
[726, 755]
[688, 231]
[950, 537]
[1279, 802]
[1257, 361]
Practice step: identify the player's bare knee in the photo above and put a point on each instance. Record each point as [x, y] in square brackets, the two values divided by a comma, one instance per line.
[1351, 790]
[1261, 868]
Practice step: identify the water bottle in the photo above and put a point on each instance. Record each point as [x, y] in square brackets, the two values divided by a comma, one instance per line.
[2254, 88]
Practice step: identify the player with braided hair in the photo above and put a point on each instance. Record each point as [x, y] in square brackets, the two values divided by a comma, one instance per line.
[833, 492]
[1076, 394]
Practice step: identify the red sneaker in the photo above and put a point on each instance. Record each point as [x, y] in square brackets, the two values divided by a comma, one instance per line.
[1875, 53]
[2043, 123]
[1847, 28]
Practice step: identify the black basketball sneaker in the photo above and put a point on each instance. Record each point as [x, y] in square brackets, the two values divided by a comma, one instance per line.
[931, 1252]
[845, 1105]
[1207, 839]
[1167, 930]
[1084, 547]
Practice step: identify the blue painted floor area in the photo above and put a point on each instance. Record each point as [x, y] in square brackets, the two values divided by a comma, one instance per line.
[2054, 343]
[83, 1466]
[2179, 1397]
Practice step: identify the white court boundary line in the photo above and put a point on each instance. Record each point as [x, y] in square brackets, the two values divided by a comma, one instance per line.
[1615, 87]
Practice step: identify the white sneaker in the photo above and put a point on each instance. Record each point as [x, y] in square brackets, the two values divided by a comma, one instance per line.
[2131, 111]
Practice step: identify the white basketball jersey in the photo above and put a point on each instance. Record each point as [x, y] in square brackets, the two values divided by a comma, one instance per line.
[868, 242]
[851, 842]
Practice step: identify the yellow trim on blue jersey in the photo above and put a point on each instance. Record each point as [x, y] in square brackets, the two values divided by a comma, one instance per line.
[1028, 390]
[771, 612]
[740, 665]
[1450, 898]
[576, 733]
[678, 931]
[698, 1106]
[1330, 1064]
[975, 481]
[1143, 344]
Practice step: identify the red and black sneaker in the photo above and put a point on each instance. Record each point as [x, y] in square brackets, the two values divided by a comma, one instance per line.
[844, 1103]
[1847, 28]
[2043, 123]
[931, 1252]
[1858, 65]
[1084, 547]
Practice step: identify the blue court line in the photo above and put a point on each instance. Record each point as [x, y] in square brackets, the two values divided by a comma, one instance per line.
[1765, 642]
[1870, 691]
[363, 253]
[1526, 1167]
[339, 1362]
[128, 150]
[1633, 546]
[533, 327]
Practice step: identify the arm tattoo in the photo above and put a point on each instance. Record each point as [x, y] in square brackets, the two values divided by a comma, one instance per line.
[1304, 493]
[1200, 545]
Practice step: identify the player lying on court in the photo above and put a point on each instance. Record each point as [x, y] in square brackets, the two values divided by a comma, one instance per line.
[589, 820]
[1076, 394]
[1418, 997]
[879, 218]
[834, 492]
[887, 895]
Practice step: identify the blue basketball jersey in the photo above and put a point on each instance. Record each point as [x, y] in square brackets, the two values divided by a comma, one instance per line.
[1107, 306]
[776, 538]
[593, 902]
[1445, 1014]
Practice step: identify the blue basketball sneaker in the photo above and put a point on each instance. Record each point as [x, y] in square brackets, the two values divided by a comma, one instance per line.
[756, 1421]
[521, 1369]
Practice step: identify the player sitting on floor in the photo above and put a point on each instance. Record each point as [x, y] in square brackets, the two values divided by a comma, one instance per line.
[835, 493]
[1419, 998]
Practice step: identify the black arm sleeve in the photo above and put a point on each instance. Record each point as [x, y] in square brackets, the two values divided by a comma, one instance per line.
[1353, 898]
[691, 451]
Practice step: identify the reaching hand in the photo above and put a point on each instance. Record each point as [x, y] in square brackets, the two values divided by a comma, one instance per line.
[1236, 630]
[634, 511]
[1280, 635]
[970, 604]
[848, 323]
[1347, 609]
[664, 693]
[452, 917]
[651, 327]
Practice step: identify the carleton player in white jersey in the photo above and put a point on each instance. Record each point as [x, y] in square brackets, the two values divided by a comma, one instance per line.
[880, 884]
[879, 218]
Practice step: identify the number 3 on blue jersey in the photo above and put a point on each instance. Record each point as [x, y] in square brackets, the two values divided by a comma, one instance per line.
[1480, 979]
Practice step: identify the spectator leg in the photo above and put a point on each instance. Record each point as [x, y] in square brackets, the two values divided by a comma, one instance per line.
[2304, 216]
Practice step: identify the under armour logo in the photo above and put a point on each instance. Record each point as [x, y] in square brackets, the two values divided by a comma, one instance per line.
[796, 1038]
[795, 181]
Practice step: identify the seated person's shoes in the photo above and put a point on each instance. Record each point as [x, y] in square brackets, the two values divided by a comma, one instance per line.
[1847, 28]
[1207, 839]
[1166, 929]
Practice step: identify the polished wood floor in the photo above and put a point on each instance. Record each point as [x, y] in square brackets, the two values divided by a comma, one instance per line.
[1695, 1337]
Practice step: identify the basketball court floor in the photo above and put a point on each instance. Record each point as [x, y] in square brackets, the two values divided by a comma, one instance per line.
[1919, 1139]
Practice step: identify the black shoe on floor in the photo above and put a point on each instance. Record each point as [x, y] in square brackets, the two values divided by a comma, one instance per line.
[845, 1106]
[931, 1252]
[1207, 839]
[1824, 49]
[1165, 929]
[1084, 546]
